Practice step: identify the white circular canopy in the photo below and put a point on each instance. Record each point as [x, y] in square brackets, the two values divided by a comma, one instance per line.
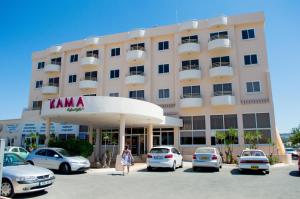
[102, 111]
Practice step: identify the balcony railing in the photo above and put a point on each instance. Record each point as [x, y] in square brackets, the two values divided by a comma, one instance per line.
[135, 73]
[138, 98]
[191, 95]
[89, 78]
[218, 64]
[190, 67]
[56, 63]
[91, 55]
[221, 93]
[184, 41]
[218, 37]
[51, 84]
[137, 48]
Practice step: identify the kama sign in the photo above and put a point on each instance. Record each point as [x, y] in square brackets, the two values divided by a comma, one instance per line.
[70, 103]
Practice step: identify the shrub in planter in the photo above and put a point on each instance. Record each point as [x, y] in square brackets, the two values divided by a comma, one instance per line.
[73, 146]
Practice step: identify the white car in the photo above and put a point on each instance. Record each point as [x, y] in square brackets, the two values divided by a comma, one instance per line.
[164, 157]
[253, 159]
[208, 157]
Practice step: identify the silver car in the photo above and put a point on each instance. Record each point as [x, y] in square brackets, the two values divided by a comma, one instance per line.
[57, 159]
[20, 177]
[207, 157]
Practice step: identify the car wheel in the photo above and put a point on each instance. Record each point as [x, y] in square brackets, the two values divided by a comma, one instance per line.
[217, 169]
[149, 168]
[65, 168]
[30, 162]
[267, 172]
[174, 166]
[7, 189]
[220, 166]
[181, 165]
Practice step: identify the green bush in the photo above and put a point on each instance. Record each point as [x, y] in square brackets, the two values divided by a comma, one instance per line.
[273, 160]
[73, 146]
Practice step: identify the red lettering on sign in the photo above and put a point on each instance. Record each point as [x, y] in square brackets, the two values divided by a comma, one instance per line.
[52, 103]
[59, 104]
[69, 102]
[80, 102]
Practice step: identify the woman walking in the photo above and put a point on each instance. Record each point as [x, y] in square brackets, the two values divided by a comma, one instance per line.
[127, 159]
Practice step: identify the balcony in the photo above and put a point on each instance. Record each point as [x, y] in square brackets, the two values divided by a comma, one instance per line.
[52, 68]
[221, 70]
[189, 25]
[55, 49]
[89, 62]
[50, 89]
[139, 33]
[136, 54]
[91, 41]
[192, 100]
[88, 83]
[191, 72]
[219, 43]
[189, 46]
[218, 21]
[223, 99]
[135, 78]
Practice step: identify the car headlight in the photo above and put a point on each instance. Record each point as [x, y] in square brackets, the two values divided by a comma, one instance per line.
[26, 178]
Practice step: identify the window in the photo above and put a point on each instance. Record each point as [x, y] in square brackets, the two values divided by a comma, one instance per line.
[253, 87]
[253, 122]
[114, 94]
[74, 58]
[54, 81]
[36, 105]
[41, 152]
[189, 39]
[163, 45]
[250, 59]
[51, 153]
[39, 84]
[115, 52]
[220, 61]
[93, 53]
[72, 78]
[138, 94]
[91, 75]
[163, 68]
[110, 137]
[136, 70]
[41, 65]
[193, 130]
[114, 73]
[56, 61]
[163, 93]
[248, 34]
[190, 64]
[191, 91]
[218, 35]
[222, 89]
[138, 46]
[93, 94]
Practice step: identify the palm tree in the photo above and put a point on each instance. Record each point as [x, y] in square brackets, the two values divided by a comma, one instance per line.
[232, 135]
[253, 137]
[220, 135]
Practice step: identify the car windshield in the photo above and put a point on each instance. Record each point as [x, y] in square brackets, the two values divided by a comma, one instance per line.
[203, 150]
[160, 150]
[289, 149]
[63, 152]
[11, 159]
[253, 153]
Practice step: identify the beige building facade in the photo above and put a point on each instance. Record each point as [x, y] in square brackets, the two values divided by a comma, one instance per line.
[206, 76]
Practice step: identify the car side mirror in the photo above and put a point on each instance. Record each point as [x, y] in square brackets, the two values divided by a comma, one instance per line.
[56, 156]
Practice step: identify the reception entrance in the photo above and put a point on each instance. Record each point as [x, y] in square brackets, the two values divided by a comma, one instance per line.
[135, 138]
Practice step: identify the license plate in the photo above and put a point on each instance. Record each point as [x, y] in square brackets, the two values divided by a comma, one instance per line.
[158, 157]
[204, 158]
[45, 183]
[254, 167]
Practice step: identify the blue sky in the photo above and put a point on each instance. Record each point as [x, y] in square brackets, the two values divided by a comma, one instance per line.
[32, 25]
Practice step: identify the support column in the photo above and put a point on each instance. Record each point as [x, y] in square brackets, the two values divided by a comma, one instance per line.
[176, 137]
[207, 130]
[122, 134]
[150, 137]
[91, 134]
[97, 148]
[240, 130]
[47, 132]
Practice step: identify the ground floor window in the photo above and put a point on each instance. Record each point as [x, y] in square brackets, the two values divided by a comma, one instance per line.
[163, 136]
[65, 137]
[192, 137]
[226, 136]
[110, 137]
[265, 136]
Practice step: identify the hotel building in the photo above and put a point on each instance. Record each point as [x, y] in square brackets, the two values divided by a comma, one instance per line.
[169, 85]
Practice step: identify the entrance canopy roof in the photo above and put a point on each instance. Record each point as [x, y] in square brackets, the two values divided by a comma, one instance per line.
[105, 112]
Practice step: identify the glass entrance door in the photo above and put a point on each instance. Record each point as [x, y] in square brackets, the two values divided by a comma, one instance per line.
[133, 143]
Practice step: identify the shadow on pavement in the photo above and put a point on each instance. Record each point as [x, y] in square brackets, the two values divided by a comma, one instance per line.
[201, 170]
[31, 195]
[248, 172]
[295, 173]
[72, 173]
[155, 170]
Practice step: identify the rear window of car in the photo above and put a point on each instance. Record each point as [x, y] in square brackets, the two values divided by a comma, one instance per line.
[41, 152]
[160, 150]
[205, 151]
[253, 153]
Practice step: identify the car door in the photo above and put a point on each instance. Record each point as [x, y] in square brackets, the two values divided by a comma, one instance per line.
[176, 156]
[15, 150]
[39, 158]
[53, 159]
[179, 156]
[23, 153]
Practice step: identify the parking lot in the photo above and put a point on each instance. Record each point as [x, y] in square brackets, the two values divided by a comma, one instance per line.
[282, 182]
